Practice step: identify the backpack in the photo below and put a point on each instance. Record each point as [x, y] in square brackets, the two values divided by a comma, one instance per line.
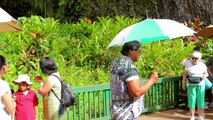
[67, 96]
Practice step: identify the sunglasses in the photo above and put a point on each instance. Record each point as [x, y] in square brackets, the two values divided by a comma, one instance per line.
[194, 58]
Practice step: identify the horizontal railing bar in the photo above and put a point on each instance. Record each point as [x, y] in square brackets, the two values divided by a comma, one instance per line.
[91, 88]
[107, 86]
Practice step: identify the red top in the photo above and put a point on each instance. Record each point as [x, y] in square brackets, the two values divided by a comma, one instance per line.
[25, 105]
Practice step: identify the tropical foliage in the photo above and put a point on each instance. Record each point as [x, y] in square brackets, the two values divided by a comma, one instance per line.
[80, 49]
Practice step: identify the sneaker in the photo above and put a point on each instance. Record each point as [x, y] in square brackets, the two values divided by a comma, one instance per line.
[211, 105]
[192, 118]
[200, 118]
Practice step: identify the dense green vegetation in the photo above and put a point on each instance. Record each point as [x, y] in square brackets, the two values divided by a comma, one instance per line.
[80, 50]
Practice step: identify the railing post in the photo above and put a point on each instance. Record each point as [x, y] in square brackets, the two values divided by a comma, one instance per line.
[107, 102]
[68, 113]
[176, 92]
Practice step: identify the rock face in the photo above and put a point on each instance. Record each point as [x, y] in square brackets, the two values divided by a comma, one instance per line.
[179, 10]
[185, 10]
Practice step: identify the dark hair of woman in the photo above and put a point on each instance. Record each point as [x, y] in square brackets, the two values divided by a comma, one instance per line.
[48, 65]
[2, 61]
[127, 47]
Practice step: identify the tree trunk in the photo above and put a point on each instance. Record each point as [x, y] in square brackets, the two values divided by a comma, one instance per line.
[186, 10]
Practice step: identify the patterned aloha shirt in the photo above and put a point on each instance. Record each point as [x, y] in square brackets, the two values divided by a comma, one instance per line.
[123, 106]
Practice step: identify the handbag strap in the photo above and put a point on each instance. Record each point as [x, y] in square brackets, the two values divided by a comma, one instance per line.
[53, 90]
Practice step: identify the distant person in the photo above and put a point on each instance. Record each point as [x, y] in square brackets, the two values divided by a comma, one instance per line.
[209, 64]
[26, 99]
[7, 104]
[127, 94]
[195, 73]
[184, 75]
[51, 102]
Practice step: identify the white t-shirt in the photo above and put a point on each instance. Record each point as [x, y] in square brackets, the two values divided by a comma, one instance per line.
[4, 88]
[54, 80]
[195, 70]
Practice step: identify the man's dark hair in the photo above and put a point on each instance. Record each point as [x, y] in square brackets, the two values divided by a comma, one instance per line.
[133, 45]
[48, 65]
[2, 61]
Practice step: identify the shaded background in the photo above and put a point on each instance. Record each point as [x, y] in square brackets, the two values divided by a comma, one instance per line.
[73, 10]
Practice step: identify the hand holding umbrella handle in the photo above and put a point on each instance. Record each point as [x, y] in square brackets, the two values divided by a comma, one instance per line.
[154, 77]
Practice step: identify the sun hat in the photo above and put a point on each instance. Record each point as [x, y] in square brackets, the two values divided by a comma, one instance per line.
[23, 78]
[196, 54]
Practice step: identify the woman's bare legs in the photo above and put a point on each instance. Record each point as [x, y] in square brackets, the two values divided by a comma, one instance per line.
[192, 112]
[200, 113]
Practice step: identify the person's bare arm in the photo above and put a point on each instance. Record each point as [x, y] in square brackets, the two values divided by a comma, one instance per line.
[184, 77]
[36, 112]
[10, 104]
[205, 74]
[210, 69]
[136, 89]
[183, 62]
[45, 87]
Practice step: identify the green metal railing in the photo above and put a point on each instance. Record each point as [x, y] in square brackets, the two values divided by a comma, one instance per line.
[93, 102]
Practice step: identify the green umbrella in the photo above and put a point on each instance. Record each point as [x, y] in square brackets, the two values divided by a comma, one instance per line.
[151, 30]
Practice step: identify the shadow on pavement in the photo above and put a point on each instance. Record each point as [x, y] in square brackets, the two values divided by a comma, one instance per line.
[174, 114]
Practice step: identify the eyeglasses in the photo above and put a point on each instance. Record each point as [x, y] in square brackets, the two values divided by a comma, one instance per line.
[194, 58]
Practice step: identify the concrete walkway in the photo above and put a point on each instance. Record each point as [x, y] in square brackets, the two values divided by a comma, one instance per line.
[174, 114]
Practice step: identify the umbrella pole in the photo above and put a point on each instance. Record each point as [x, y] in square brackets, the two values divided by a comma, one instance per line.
[147, 16]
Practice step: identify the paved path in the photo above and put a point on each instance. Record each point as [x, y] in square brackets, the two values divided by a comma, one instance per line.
[174, 114]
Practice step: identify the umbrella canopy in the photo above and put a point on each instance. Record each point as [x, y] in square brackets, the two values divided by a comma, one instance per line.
[151, 30]
[7, 22]
[207, 32]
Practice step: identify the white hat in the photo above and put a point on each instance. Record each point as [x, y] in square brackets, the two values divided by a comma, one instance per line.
[23, 78]
[196, 54]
